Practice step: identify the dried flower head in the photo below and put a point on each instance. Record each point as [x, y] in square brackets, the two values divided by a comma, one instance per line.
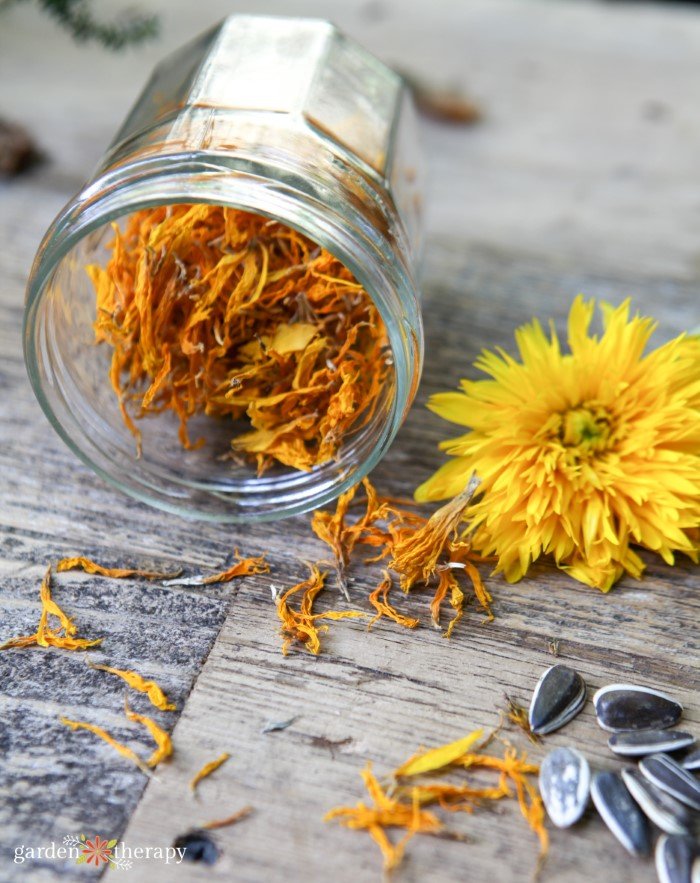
[581, 455]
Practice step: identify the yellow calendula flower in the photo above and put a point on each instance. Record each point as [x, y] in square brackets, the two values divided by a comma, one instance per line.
[581, 455]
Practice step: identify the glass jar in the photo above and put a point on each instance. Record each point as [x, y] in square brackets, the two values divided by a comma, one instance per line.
[285, 118]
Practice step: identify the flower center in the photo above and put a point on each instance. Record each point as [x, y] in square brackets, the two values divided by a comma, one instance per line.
[586, 428]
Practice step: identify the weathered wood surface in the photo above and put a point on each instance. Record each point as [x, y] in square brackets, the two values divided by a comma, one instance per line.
[583, 177]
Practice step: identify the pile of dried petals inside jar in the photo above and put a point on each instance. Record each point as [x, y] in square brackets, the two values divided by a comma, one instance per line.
[215, 311]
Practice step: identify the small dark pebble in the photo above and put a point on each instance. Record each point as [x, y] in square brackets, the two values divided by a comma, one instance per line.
[198, 846]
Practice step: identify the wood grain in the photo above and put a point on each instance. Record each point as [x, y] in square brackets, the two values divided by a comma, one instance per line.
[581, 178]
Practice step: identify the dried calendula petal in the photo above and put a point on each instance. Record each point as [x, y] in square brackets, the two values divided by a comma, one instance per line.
[384, 608]
[516, 769]
[438, 758]
[417, 555]
[22, 641]
[242, 567]
[387, 812]
[51, 608]
[208, 769]
[46, 636]
[331, 528]
[461, 556]
[211, 310]
[300, 625]
[456, 798]
[82, 563]
[124, 750]
[164, 745]
[229, 820]
[393, 810]
[447, 581]
[135, 680]
[518, 715]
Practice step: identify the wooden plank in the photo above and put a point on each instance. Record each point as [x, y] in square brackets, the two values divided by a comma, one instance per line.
[390, 690]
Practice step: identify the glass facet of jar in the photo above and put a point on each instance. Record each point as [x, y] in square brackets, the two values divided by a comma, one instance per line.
[285, 118]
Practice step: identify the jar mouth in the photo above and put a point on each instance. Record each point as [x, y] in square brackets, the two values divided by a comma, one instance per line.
[64, 367]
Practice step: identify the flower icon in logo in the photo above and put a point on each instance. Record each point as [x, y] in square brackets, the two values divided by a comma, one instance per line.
[96, 851]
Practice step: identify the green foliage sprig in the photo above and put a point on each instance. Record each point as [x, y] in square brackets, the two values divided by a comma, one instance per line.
[77, 18]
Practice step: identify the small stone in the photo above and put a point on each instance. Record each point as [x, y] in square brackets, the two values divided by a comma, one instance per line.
[559, 696]
[565, 780]
[674, 858]
[660, 808]
[641, 742]
[624, 707]
[692, 761]
[620, 812]
[668, 775]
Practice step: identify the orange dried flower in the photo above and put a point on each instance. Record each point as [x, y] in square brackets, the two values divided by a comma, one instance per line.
[135, 680]
[164, 745]
[211, 310]
[300, 625]
[386, 812]
[120, 748]
[391, 811]
[242, 567]
[45, 635]
[208, 769]
[82, 563]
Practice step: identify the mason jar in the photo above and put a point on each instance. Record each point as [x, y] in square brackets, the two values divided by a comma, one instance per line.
[285, 118]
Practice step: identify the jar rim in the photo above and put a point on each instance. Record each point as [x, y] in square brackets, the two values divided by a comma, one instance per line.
[265, 191]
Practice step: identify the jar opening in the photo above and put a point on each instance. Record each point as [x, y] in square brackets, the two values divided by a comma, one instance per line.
[96, 358]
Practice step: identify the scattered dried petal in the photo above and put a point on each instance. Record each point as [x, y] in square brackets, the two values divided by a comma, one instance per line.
[164, 745]
[384, 608]
[82, 563]
[45, 636]
[124, 750]
[518, 715]
[208, 769]
[151, 688]
[438, 758]
[300, 625]
[229, 820]
[387, 812]
[243, 567]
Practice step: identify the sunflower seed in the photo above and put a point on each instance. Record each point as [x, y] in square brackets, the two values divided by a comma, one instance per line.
[664, 772]
[674, 857]
[641, 742]
[692, 760]
[620, 813]
[663, 810]
[559, 696]
[624, 707]
[565, 780]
